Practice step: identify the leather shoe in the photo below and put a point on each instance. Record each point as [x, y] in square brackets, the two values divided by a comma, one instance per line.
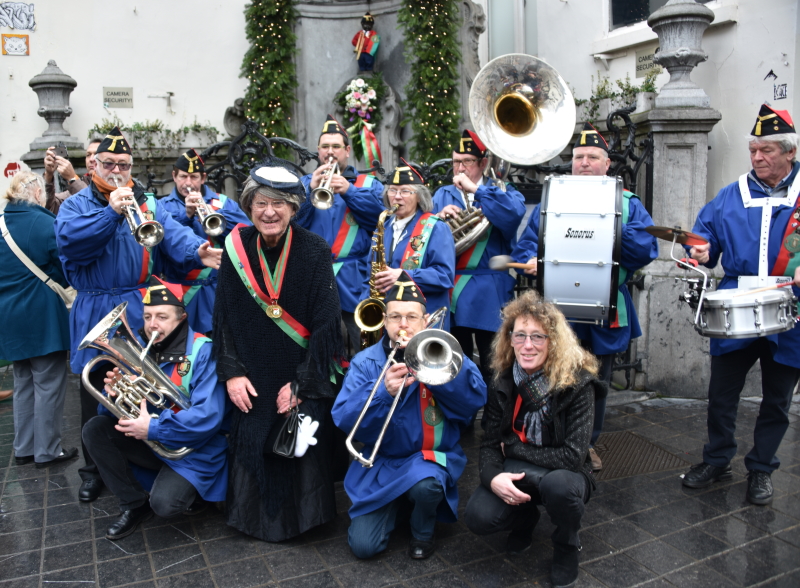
[703, 474]
[565, 566]
[66, 454]
[597, 463]
[129, 521]
[759, 487]
[421, 549]
[199, 505]
[24, 459]
[90, 490]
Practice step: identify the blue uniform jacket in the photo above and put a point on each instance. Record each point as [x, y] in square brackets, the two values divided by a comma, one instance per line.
[638, 249]
[735, 231]
[478, 306]
[366, 205]
[399, 464]
[35, 320]
[436, 273]
[103, 262]
[203, 427]
[201, 306]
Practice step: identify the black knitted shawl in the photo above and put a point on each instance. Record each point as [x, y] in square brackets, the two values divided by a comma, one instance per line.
[248, 343]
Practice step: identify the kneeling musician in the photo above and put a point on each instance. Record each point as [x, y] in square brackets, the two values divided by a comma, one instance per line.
[184, 484]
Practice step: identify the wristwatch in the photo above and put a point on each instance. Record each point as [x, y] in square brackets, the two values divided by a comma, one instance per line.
[73, 180]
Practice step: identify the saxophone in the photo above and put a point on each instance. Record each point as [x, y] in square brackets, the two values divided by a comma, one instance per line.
[369, 314]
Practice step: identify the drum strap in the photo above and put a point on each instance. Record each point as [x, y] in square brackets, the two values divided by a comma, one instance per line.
[622, 310]
[766, 205]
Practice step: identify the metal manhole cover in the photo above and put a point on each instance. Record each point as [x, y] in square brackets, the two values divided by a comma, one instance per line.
[627, 454]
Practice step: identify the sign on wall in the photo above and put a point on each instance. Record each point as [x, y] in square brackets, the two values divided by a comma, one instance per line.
[16, 45]
[118, 97]
[644, 61]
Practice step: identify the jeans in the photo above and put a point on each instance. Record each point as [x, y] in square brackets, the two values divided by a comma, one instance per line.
[369, 533]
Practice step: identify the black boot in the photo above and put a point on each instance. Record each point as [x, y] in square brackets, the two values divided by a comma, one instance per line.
[565, 566]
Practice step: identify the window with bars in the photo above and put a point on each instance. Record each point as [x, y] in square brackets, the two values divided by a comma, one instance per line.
[628, 12]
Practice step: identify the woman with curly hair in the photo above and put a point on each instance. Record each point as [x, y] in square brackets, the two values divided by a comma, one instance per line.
[539, 423]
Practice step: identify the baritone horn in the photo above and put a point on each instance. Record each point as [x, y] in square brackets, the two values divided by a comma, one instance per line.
[140, 377]
[213, 222]
[432, 356]
[524, 113]
[148, 233]
[322, 196]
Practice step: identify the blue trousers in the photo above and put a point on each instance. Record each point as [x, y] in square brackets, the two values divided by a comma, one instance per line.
[369, 534]
[728, 374]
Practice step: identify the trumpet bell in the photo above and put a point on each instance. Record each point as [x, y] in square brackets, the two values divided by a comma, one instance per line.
[214, 224]
[322, 198]
[522, 109]
[433, 357]
[149, 233]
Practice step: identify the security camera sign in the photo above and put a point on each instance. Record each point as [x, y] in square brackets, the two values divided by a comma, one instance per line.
[118, 97]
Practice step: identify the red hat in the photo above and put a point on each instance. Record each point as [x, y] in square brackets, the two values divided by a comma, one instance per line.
[470, 144]
[772, 122]
[159, 292]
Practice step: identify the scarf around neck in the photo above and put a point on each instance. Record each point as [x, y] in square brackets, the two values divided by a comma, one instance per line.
[105, 188]
[535, 391]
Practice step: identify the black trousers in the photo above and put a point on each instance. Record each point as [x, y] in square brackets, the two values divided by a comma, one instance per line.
[88, 411]
[352, 337]
[484, 341]
[728, 374]
[562, 493]
[113, 453]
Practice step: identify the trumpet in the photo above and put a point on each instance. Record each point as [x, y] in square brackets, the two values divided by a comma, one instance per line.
[432, 356]
[322, 196]
[141, 379]
[213, 222]
[148, 233]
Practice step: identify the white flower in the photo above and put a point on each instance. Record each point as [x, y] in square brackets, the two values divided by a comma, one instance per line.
[360, 83]
[371, 94]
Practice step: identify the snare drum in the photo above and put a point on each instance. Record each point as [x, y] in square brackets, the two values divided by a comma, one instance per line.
[580, 244]
[749, 315]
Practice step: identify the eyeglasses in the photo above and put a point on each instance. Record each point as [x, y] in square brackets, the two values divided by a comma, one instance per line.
[396, 318]
[276, 205]
[335, 147]
[538, 339]
[467, 163]
[110, 165]
[405, 193]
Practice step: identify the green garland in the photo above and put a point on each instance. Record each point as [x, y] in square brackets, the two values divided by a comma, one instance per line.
[269, 65]
[434, 53]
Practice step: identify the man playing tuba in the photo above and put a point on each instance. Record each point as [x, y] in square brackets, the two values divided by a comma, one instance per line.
[181, 485]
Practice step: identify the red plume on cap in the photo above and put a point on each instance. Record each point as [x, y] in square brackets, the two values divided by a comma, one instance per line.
[413, 169]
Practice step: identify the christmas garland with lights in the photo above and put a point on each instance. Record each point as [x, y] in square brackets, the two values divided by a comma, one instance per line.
[269, 65]
[433, 51]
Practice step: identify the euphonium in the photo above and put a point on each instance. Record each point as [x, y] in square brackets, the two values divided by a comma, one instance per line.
[213, 222]
[141, 378]
[322, 196]
[369, 312]
[148, 233]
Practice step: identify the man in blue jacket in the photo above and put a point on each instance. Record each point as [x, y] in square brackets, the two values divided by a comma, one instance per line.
[479, 292]
[190, 191]
[590, 158]
[755, 222]
[181, 484]
[107, 266]
[420, 458]
[348, 224]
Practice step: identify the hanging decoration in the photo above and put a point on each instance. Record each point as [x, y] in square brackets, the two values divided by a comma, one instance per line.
[361, 100]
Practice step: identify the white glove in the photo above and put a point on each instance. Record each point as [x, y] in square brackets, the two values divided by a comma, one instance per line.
[305, 436]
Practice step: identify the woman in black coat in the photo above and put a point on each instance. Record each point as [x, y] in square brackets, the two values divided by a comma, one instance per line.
[538, 426]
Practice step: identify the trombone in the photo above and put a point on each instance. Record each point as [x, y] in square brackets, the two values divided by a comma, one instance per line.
[432, 356]
[322, 196]
[213, 222]
[148, 233]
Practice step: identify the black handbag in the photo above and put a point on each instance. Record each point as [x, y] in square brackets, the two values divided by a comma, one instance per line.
[533, 474]
[286, 439]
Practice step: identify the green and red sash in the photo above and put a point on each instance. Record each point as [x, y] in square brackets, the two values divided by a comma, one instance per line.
[788, 259]
[468, 260]
[148, 206]
[348, 230]
[418, 242]
[432, 427]
[189, 291]
[267, 301]
[181, 374]
[621, 319]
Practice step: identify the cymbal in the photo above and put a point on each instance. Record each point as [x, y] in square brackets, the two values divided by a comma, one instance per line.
[683, 237]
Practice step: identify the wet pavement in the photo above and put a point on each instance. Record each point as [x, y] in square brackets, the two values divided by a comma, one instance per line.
[644, 530]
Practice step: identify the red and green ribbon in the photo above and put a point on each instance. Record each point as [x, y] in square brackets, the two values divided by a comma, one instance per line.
[788, 262]
[149, 205]
[183, 381]
[235, 249]
[412, 258]
[431, 434]
[369, 143]
[621, 319]
[468, 260]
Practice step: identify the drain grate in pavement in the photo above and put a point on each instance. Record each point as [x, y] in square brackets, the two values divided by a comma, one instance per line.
[627, 454]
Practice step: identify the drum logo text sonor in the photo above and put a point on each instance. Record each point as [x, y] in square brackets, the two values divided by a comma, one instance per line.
[573, 234]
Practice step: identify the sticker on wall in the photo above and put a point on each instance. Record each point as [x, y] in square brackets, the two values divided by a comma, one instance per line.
[16, 45]
[17, 15]
[12, 169]
[780, 91]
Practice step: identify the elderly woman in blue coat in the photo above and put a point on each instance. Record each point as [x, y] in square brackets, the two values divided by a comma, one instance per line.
[36, 328]
[416, 241]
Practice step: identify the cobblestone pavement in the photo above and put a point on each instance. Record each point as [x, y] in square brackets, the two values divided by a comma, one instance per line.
[644, 530]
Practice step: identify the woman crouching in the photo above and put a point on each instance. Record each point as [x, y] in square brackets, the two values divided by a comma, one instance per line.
[539, 423]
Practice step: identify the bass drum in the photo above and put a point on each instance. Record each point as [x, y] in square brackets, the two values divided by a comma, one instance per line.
[580, 246]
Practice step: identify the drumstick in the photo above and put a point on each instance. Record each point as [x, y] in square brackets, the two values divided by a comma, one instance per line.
[764, 289]
[503, 262]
